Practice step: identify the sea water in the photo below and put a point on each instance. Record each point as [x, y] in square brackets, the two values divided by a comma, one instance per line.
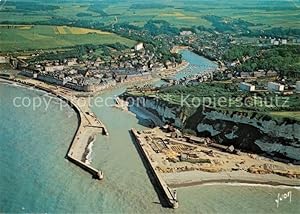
[197, 64]
[124, 172]
[35, 176]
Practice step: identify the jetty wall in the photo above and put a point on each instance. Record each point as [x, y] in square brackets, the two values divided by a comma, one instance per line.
[98, 174]
[168, 193]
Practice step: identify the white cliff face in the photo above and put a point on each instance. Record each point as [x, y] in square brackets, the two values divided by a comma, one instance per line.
[289, 131]
[290, 151]
[270, 127]
[231, 135]
[166, 113]
[206, 127]
[215, 123]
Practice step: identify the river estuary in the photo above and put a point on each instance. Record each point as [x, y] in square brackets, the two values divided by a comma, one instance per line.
[35, 177]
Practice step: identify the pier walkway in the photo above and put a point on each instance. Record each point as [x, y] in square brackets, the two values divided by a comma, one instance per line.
[88, 124]
[169, 195]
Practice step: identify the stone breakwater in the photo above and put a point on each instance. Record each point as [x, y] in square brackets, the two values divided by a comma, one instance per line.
[88, 125]
[249, 131]
[169, 195]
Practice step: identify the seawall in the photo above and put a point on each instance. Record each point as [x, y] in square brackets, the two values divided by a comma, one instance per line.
[168, 194]
[97, 174]
[73, 155]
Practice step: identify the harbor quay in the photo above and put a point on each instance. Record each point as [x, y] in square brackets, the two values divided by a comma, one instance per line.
[88, 125]
[166, 192]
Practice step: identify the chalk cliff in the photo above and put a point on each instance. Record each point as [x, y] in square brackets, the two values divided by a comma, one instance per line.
[248, 131]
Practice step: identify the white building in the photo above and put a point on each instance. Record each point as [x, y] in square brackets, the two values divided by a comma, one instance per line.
[276, 42]
[186, 33]
[284, 42]
[247, 86]
[54, 68]
[139, 46]
[72, 62]
[275, 87]
[3, 59]
[272, 41]
[298, 86]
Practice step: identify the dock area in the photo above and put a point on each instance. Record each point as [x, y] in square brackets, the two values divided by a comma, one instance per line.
[88, 127]
[168, 194]
[88, 124]
[185, 160]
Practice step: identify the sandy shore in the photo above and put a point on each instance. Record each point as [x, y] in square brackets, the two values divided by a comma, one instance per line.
[209, 165]
[192, 178]
[176, 49]
[172, 71]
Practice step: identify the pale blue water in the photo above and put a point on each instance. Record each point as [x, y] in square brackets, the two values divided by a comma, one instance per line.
[118, 157]
[35, 177]
[197, 64]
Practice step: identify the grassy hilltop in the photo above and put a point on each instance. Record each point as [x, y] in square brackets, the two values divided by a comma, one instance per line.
[36, 37]
[226, 96]
[40, 25]
[267, 13]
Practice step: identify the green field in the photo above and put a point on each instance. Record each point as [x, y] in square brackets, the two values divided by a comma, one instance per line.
[287, 114]
[269, 13]
[17, 38]
[227, 96]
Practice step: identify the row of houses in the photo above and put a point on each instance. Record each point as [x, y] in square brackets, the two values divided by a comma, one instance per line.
[87, 82]
[275, 41]
[271, 87]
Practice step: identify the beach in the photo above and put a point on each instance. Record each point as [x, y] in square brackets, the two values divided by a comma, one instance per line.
[182, 164]
[192, 178]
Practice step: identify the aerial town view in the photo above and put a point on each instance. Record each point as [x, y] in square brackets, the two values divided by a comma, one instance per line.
[175, 106]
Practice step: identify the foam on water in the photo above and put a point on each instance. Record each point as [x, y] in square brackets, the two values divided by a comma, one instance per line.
[90, 151]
